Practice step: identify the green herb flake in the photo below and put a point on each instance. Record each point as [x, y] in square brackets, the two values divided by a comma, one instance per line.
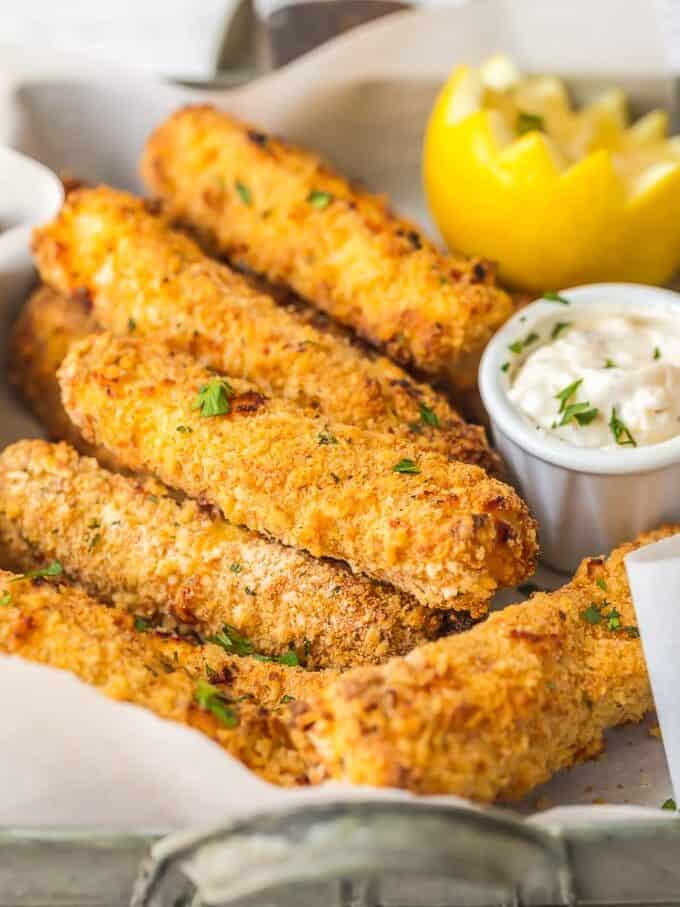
[621, 432]
[236, 568]
[53, 569]
[285, 699]
[580, 413]
[428, 416]
[657, 353]
[289, 658]
[552, 296]
[5, 599]
[669, 804]
[244, 193]
[406, 466]
[184, 429]
[132, 325]
[327, 437]
[558, 328]
[609, 363]
[520, 345]
[592, 614]
[565, 395]
[613, 620]
[141, 624]
[213, 398]
[601, 583]
[94, 541]
[212, 700]
[529, 122]
[319, 199]
[232, 641]
[505, 366]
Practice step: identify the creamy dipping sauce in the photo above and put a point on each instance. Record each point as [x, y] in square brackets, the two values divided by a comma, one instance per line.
[602, 380]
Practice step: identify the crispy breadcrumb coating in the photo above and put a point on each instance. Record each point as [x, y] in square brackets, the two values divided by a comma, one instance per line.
[127, 541]
[40, 337]
[444, 532]
[60, 626]
[146, 279]
[494, 712]
[284, 213]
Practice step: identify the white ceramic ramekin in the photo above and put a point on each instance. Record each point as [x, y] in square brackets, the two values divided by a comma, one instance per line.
[585, 501]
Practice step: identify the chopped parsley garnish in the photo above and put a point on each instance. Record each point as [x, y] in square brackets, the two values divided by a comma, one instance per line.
[621, 432]
[236, 568]
[428, 416]
[327, 437]
[132, 325]
[244, 193]
[215, 702]
[592, 614]
[407, 466]
[288, 658]
[319, 199]
[236, 644]
[520, 345]
[552, 296]
[613, 620]
[609, 363]
[213, 399]
[567, 393]
[657, 352]
[601, 583]
[53, 569]
[582, 413]
[529, 588]
[94, 541]
[184, 429]
[285, 699]
[669, 804]
[558, 328]
[529, 122]
[232, 641]
[505, 366]
[141, 624]
[5, 599]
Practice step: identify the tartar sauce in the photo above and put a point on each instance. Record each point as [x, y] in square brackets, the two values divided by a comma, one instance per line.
[602, 380]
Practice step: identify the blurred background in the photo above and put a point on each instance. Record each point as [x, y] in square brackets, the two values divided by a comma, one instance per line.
[187, 39]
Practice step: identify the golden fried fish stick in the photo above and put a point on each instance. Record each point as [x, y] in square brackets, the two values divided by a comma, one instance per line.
[60, 626]
[147, 279]
[127, 541]
[498, 710]
[442, 531]
[46, 325]
[285, 214]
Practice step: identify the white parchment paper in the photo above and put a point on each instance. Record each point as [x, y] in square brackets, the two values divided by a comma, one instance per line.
[69, 756]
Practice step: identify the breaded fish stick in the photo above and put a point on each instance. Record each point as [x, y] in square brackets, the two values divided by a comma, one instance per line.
[444, 532]
[498, 710]
[147, 279]
[129, 542]
[60, 626]
[284, 213]
[46, 325]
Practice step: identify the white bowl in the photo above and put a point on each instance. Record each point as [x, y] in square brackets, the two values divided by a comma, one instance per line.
[29, 194]
[585, 500]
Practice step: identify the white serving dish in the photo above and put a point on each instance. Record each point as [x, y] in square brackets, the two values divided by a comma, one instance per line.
[30, 193]
[585, 500]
